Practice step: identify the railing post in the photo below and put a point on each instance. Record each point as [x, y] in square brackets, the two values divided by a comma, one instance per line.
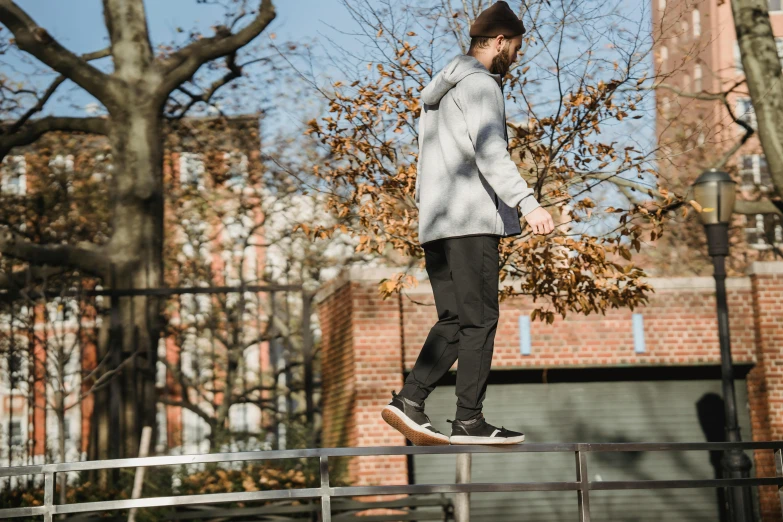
[48, 496]
[462, 501]
[779, 473]
[326, 499]
[583, 494]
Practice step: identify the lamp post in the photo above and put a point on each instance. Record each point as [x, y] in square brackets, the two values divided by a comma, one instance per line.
[715, 191]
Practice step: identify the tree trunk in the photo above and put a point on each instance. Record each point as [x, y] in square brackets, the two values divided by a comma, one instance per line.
[765, 79]
[137, 263]
[60, 410]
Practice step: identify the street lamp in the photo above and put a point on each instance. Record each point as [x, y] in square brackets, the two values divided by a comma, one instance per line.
[715, 192]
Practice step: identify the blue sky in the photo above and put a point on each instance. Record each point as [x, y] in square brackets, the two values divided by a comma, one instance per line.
[79, 26]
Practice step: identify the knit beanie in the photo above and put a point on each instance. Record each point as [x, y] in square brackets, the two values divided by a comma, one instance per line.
[495, 20]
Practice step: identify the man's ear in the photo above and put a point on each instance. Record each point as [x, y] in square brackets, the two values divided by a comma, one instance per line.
[499, 41]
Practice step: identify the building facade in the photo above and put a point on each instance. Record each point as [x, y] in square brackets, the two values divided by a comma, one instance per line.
[647, 375]
[696, 56]
[34, 340]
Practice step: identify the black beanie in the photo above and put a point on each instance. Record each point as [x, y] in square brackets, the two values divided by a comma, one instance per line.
[495, 20]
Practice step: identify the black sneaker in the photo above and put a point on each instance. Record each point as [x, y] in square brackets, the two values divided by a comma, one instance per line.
[479, 431]
[408, 418]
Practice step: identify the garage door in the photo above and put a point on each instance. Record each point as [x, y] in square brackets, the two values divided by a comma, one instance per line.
[624, 411]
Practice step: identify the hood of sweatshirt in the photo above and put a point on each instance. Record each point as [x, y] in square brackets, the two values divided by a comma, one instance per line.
[458, 68]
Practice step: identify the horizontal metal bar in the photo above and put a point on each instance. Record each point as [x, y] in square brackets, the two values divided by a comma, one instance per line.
[411, 515]
[422, 489]
[186, 500]
[358, 491]
[174, 460]
[127, 292]
[169, 460]
[601, 447]
[675, 484]
[337, 505]
[38, 469]
[246, 511]
[22, 512]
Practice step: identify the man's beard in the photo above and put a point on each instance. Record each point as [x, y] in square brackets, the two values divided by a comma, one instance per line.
[502, 62]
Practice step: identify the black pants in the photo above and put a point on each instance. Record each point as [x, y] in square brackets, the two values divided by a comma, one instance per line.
[464, 276]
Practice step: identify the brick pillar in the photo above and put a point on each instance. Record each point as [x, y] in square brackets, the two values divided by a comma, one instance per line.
[362, 364]
[765, 380]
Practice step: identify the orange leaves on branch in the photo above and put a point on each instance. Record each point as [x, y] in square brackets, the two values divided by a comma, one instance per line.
[370, 133]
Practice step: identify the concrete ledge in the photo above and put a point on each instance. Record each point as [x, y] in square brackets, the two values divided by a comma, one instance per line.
[365, 275]
[700, 284]
[765, 267]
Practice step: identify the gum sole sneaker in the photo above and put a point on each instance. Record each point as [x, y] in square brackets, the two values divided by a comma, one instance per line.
[479, 431]
[409, 418]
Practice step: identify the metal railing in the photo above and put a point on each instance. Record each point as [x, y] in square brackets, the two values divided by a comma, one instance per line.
[582, 486]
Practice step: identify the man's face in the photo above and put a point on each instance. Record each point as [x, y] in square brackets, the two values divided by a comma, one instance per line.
[506, 54]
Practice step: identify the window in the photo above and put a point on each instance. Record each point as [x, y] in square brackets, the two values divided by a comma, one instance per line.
[684, 29]
[755, 234]
[665, 106]
[766, 230]
[13, 176]
[754, 172]
[663, 57]
[161, 445]
[661, 5]
[17, 438]
[191, 169]
[745, 112]
[686, 82]
[696, 23]
[237, 169]
[775, 5]
[697, 78]
[189, 363]
[195, 433]
[244, 418]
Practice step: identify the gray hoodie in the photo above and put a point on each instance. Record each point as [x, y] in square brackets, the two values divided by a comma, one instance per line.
[466, 182]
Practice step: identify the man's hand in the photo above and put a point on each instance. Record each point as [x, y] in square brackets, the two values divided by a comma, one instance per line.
[540, 221]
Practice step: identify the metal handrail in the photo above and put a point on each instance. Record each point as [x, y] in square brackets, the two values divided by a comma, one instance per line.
[582, 485]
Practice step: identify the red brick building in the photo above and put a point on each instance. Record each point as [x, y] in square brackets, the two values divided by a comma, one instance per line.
[695, 53]
[28, 429]
[648, 375]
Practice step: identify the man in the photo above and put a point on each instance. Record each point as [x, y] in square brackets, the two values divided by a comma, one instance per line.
[469, 194]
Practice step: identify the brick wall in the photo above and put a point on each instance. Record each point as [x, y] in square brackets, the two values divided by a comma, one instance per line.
[361, 364]
[680, 327]
[765, 380]
[369, 342]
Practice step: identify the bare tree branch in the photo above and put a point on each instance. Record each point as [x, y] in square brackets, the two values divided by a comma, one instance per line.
[234, 72]
[723, 97]
[84, 256]
[38, 107]
[764, 206]
[33, 39]
[183, 64]
[33, 130]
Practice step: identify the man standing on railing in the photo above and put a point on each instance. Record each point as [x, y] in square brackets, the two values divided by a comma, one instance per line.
[469, 194]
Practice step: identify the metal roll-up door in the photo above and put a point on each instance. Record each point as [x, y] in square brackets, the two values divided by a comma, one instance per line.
[624, 411]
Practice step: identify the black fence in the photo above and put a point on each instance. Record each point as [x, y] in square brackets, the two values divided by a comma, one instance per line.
[24, 346]
[582, 486]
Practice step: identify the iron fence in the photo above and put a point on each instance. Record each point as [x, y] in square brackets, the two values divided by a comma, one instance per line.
[582, 485]
[20, 343]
